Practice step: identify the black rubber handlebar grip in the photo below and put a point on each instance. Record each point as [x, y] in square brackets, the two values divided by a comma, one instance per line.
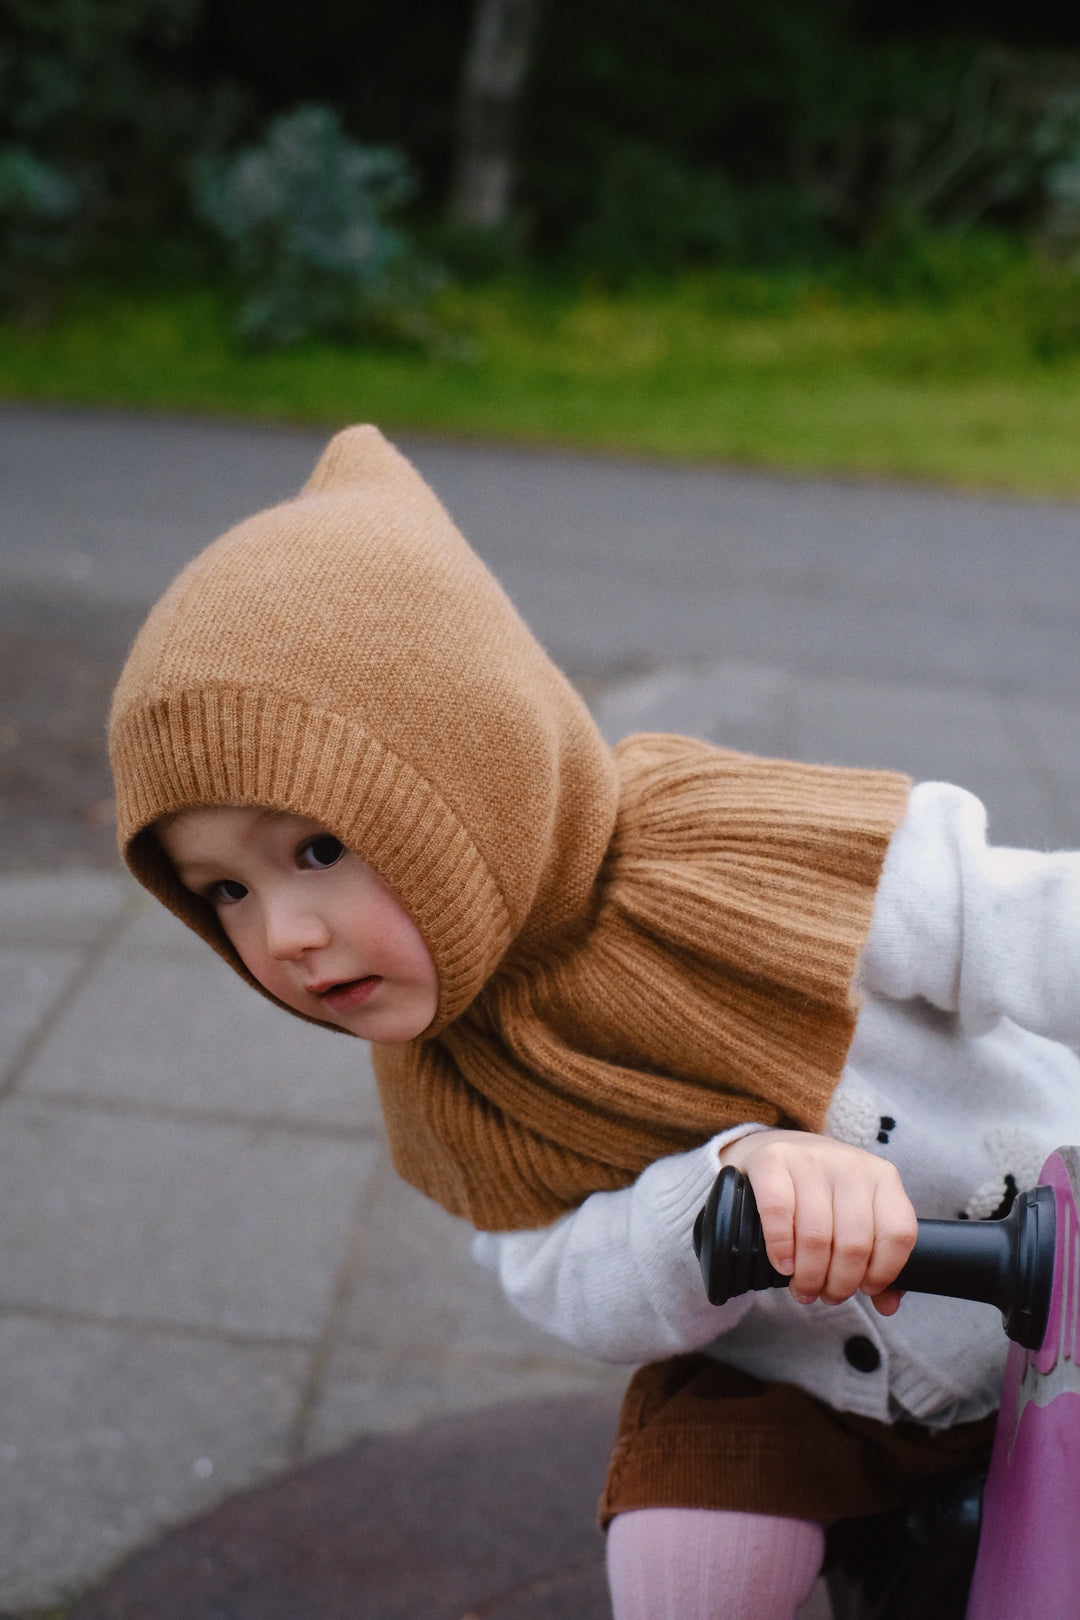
[1008, 1263]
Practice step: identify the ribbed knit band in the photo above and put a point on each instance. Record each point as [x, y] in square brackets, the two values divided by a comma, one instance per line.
[235, 748]
[712, 986]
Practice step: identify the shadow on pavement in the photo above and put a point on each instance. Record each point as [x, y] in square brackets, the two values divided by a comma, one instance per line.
[480, 1516]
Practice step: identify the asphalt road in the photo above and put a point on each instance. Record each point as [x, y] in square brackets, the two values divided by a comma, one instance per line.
[621, 567]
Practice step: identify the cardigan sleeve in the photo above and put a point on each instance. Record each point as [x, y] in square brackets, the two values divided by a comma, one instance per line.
[617, 1277]
[978, 931]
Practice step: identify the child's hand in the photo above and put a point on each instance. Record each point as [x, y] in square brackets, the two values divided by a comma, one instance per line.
[836, 1218]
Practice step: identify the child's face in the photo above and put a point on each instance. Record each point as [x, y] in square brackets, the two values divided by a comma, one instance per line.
[308, 919]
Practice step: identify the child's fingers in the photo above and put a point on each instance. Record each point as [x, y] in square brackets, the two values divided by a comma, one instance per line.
[774, 1194]
[896, 1229]
[813, 1234]
[888, 1303]
[853, 1240]
[874, 1231]
[835, 1218]
[795, 1196]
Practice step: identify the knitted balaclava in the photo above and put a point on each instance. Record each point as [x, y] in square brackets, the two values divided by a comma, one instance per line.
[346, 656]
[634, 948]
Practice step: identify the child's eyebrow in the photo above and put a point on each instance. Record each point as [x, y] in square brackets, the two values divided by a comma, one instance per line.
[194, 864]
[194, 869]
[195, 875]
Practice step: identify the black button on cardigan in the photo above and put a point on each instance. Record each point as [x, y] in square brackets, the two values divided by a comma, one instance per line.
[862, 1353]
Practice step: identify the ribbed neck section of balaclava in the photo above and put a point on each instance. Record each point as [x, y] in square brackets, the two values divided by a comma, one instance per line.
[710, 986]
[346, 656]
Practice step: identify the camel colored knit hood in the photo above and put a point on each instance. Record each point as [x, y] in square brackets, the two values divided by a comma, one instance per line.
[634, 947]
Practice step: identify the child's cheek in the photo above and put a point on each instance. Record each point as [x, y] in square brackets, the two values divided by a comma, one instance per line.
[244, 942]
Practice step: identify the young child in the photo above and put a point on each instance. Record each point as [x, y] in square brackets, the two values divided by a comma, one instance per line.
[591, 977]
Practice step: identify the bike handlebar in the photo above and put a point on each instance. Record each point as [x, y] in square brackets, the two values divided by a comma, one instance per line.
[1008, 1263]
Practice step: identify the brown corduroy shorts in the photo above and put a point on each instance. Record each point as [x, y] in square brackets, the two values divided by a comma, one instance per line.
[696, 1433]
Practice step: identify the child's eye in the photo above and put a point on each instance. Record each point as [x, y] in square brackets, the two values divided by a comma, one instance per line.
[321, 851]
[226, 892]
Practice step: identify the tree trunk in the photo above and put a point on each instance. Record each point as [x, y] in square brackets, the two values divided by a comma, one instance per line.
[496, 63]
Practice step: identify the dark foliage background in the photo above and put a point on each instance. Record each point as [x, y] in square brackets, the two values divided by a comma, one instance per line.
[652, 132]
[764, 128]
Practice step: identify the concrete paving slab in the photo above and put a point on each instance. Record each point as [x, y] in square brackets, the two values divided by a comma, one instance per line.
[32, 983]
[69, 909]
[187, 1033]
[368, 1390]
[921, 729]
[1017, 756]
[424, 1330]
[417, 1286]
[933, 734]
[745, 706]
[231, 1227]
[1050, 737]
[153, 930]
[108, 1433]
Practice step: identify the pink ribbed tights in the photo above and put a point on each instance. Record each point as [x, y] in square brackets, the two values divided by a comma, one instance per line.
[691, 1564]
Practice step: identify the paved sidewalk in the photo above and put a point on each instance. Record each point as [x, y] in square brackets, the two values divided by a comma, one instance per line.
[208, 1272]
[208, 1269]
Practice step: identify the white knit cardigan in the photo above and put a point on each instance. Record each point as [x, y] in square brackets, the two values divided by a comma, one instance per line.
[962, 1072]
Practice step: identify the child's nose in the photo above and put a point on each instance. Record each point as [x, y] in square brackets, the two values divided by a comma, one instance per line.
[293, 929]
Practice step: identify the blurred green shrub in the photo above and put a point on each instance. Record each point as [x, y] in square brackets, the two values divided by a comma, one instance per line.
[305, 220]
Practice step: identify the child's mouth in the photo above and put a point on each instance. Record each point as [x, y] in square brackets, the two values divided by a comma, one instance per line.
[350, 993]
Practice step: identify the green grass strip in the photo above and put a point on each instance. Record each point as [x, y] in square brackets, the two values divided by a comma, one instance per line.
[980, 390]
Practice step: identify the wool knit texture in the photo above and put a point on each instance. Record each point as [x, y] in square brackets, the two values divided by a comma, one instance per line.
[635, 947]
